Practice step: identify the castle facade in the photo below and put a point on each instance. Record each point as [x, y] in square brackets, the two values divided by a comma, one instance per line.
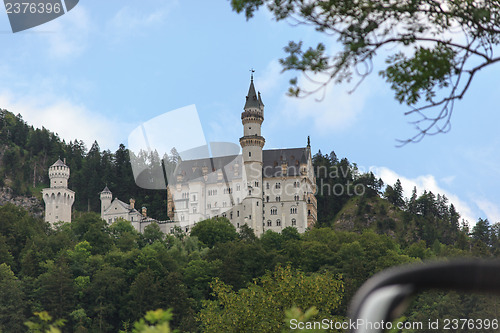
[113, 209]
[267, 189]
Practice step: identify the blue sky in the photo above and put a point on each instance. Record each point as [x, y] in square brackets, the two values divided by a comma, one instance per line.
[105, 67]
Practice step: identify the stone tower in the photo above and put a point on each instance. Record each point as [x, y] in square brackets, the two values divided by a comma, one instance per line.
[58, 198]
[252, 143]
[106, 197]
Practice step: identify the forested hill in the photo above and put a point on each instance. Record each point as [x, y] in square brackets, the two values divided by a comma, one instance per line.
[382, 207]
[27, 153]
[101, 278]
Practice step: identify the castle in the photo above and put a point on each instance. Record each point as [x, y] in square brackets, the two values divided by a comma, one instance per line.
[113, 209]
[265, 189]
[58, 198]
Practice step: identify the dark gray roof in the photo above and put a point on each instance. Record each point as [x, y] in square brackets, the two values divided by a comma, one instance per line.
[58, 163]
[126, 206]
[106, 190]
[191, 170]
[253, 101]
[272, 160]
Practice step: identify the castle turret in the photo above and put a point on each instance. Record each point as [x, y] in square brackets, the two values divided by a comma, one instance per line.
[59, 174]
[106, 198]
[58, 198]
[252, 143]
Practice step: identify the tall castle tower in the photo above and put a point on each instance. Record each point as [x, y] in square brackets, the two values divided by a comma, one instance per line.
[106, 197]
[58, 198]
[252, 143]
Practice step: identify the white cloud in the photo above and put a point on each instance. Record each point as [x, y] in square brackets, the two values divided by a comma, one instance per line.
[68, 35]
[428, 183]
[128, 18]
[135, 18]
[491, 210]
[333, 108]
[271, 79]
[448, 180]
[71, 121]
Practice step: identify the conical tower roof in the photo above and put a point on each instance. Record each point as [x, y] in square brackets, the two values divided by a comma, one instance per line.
[58, 163]
[253, 101]
[106, 190]
[260, 99]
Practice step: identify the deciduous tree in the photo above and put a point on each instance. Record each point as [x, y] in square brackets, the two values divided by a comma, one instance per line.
[261, 307]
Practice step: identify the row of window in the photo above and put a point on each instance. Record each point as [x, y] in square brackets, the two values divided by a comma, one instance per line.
[228, 190]
[172, 229]
[224, 203]
[278, 223]
[231, 214]
[278, 198]
[274, 210]
[278, 185]
[185, 195]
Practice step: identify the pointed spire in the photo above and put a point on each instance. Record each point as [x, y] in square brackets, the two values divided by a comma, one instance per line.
[106, 189]
[260, 100]
[252, 101]
[308, 142]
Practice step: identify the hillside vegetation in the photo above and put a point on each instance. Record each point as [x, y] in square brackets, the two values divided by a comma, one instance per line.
[101, 278]
[26, 154]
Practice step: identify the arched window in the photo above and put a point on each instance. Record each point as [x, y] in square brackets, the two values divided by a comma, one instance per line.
[274, 211]
[294, 222]
[278, 223]
[269, 223]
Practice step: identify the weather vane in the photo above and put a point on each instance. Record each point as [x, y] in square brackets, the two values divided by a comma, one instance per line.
[253, 71]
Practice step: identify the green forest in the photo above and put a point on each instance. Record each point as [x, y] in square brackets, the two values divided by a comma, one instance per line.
[88, 276]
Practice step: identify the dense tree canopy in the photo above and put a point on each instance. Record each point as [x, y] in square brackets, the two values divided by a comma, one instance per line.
[214, 230]
[434, 48]
[102, 278]
[259, 308]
